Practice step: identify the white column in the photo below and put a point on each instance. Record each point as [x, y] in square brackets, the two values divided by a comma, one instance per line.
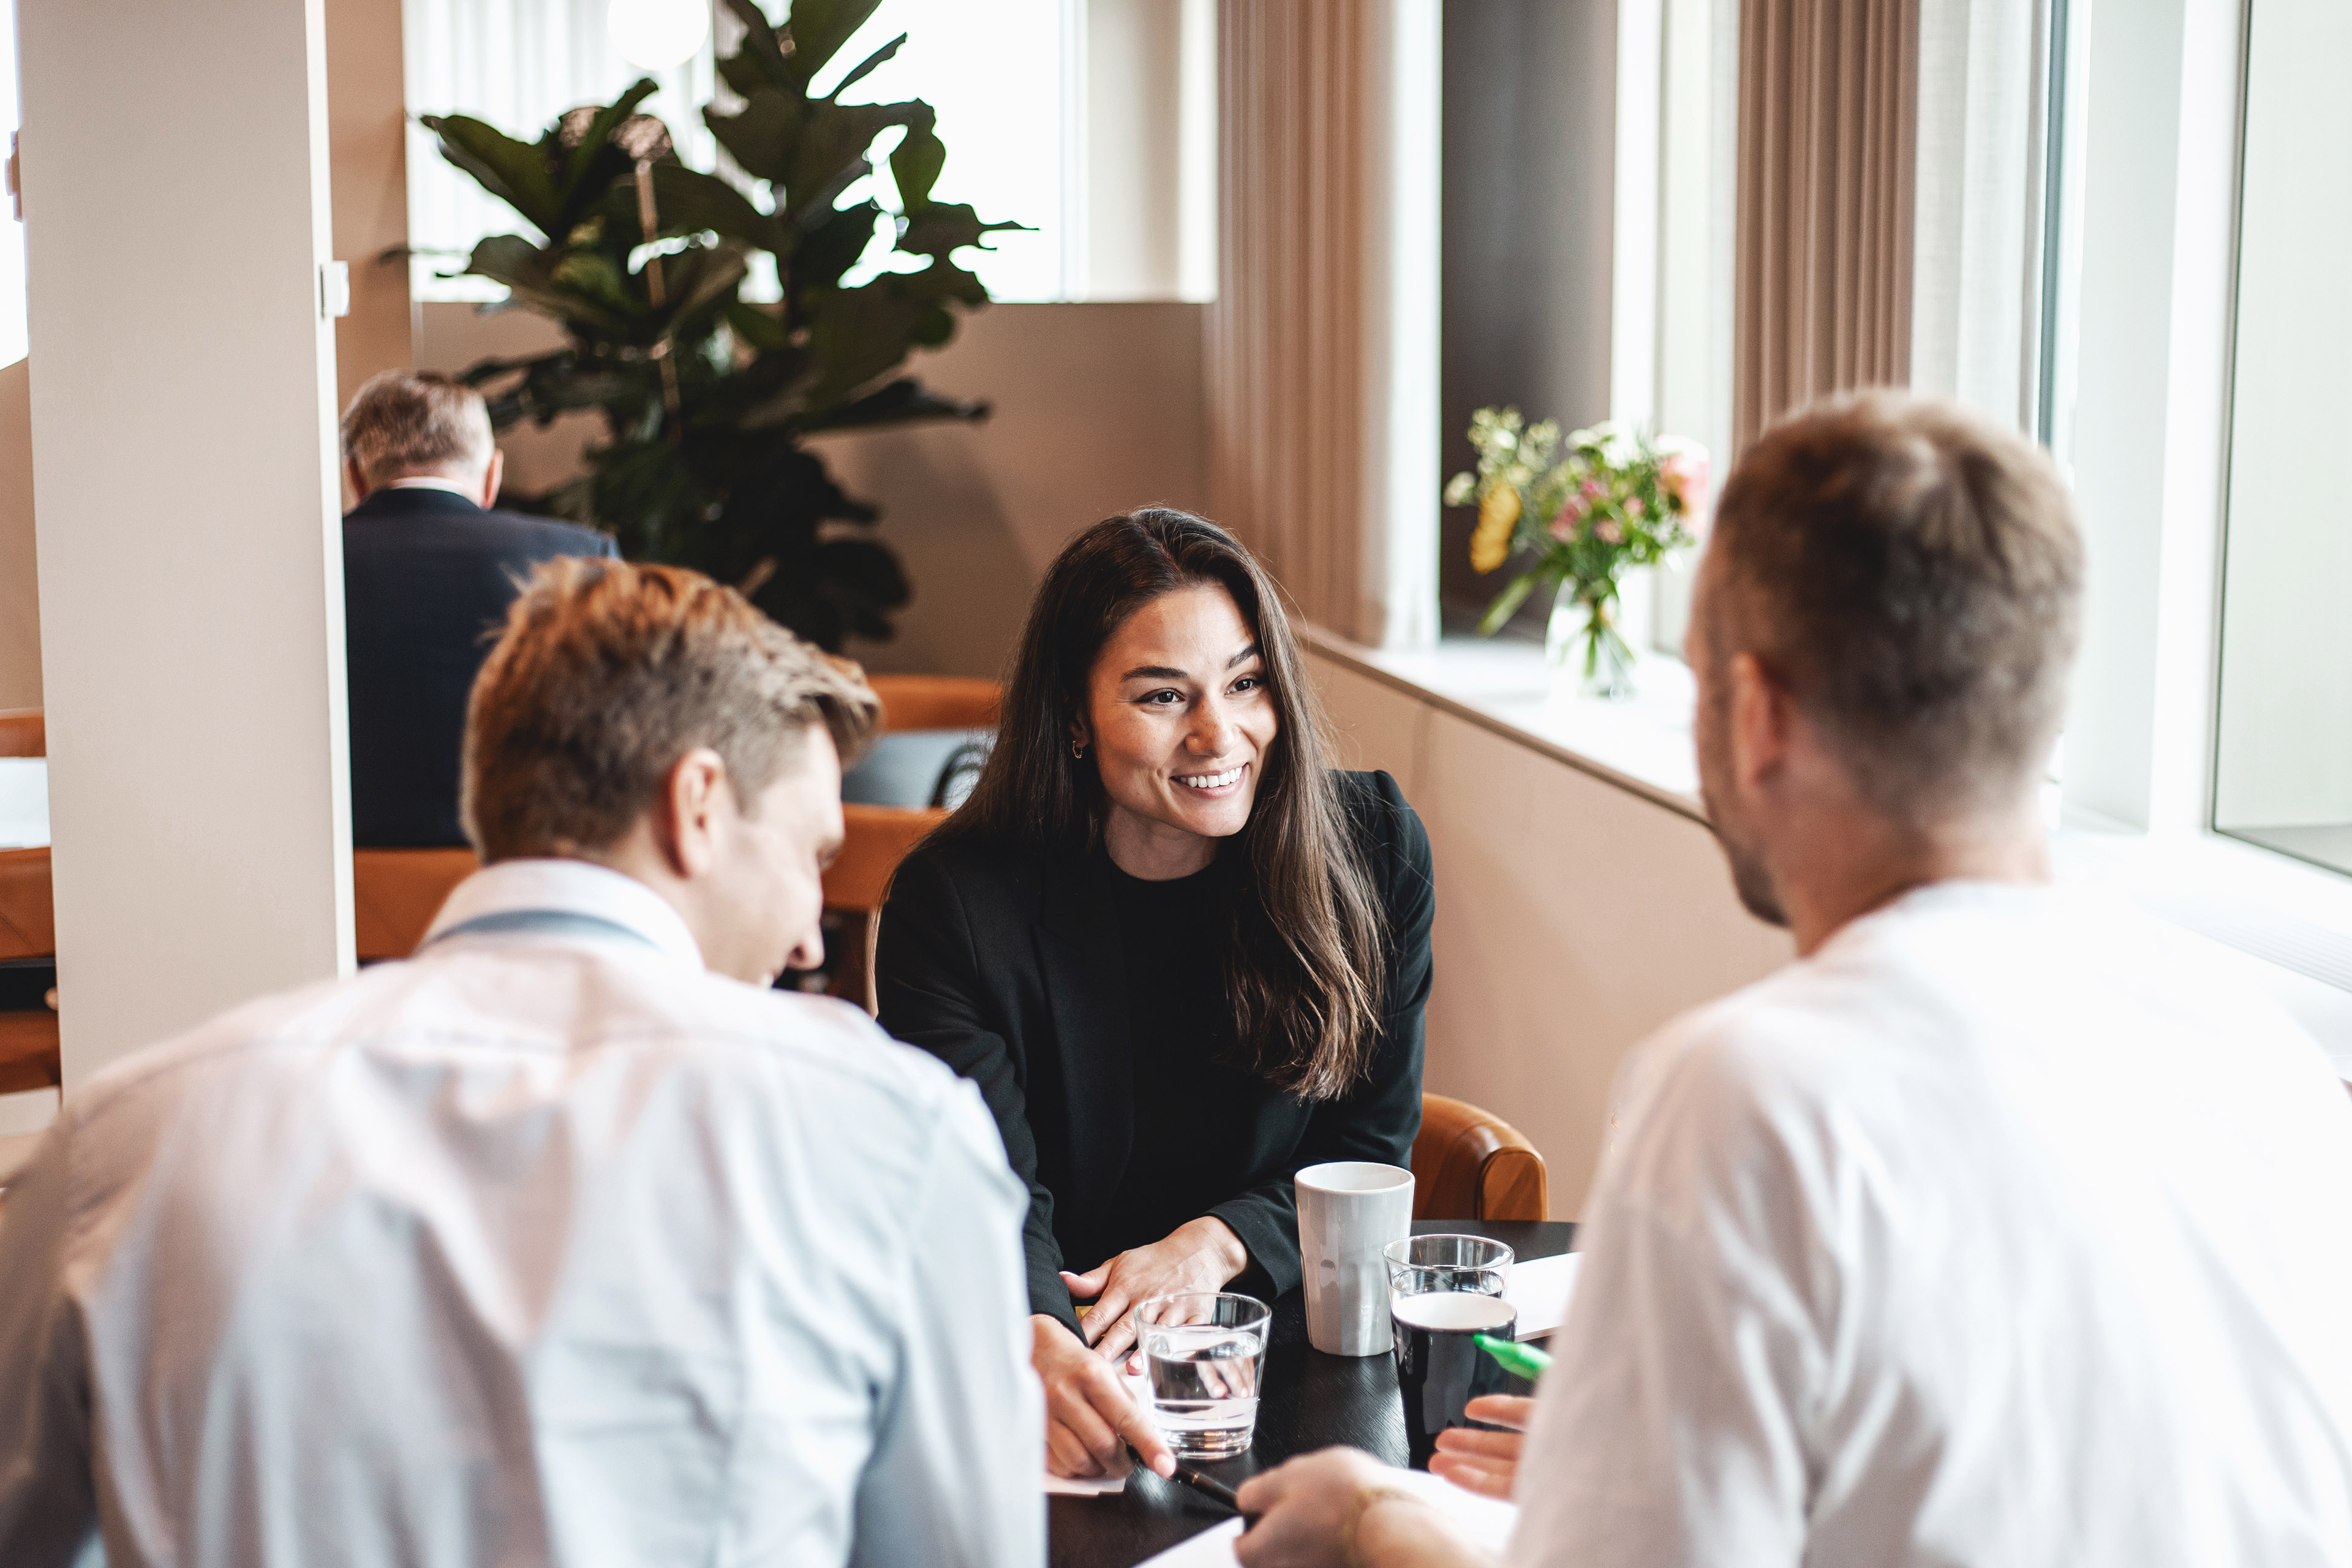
[175, 163]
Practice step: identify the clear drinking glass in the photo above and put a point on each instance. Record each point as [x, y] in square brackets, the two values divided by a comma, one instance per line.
[1204, 1354]
[1421, 1264]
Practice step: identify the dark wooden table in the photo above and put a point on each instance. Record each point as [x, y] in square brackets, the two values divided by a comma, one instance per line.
[1309, 1400]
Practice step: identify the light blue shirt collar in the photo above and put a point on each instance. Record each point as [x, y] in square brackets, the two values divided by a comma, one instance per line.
[573, 888]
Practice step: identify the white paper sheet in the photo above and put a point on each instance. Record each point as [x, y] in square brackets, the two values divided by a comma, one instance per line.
[1483, 1522]
[1540, 1289]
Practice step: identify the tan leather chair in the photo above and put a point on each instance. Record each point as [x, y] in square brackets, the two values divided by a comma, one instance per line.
[1469, 1164]
[23, 733]
[28, 922]
[28, 927]
[28, 1051]
[875, 838]
[395, 893]
[937, 702]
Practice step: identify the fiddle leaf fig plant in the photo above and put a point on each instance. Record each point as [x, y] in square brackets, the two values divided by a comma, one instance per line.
[707, 398]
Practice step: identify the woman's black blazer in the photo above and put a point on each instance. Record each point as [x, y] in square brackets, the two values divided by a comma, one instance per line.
[1004, 963]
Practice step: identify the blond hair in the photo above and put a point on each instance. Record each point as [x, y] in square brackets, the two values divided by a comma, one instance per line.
[404, 422]
[607, 674]
[1914, 575]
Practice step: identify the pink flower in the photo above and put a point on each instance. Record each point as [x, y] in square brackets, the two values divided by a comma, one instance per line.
[1594, 490]
[1564, 522]
[1609, 530]
[1684, 472]
[1632, 506]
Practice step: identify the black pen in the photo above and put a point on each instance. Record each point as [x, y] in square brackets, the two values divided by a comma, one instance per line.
[1208, 1485]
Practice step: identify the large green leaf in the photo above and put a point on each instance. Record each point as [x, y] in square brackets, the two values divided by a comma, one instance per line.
[819, 28]
[901, 402]
[595, 154]
[867, 66]
[858, 335]
[688, 200]
[942, 227]
[829, 152]
[762, 135]
[514, 172]
[529, 272]
[833, 247]
[700, 279]
[759, 61]
[916, 162]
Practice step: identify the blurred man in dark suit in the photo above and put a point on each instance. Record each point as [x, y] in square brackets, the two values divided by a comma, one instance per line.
[428, 573]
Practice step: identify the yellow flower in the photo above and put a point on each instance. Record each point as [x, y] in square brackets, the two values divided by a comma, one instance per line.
[1499, 510]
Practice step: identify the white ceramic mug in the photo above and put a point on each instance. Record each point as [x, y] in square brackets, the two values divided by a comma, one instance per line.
[1347, 1211]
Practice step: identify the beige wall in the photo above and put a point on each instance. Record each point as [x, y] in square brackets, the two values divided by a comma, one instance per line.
[1097, 409]
[20, 598]
[1574, 917]
[368, 149]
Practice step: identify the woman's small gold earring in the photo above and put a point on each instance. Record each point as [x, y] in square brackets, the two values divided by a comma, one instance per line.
[1078, 749]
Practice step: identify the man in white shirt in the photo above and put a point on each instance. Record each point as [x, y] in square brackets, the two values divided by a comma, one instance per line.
[1995, 1230]
[566, 1241]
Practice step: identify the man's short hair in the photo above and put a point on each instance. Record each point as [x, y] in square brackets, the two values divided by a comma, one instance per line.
[415, 422]
[607, 674]
[1913, 575]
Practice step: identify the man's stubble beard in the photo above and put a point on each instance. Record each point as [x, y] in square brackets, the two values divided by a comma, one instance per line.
[1749, 879]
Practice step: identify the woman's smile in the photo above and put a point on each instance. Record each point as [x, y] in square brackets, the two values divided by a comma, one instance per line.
[1216, 785]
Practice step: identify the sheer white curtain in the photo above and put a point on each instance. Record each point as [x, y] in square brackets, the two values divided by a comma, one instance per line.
[1323, 339]
[1828, 128]
[1975, 287]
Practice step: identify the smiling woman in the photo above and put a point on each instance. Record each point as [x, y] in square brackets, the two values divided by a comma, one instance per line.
[1180, 954]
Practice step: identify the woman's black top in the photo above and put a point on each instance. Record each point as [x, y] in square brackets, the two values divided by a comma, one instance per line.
[1090, 1009]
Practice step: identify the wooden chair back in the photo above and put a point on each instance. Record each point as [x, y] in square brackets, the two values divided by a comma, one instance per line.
[1469, 1164]
[937, 702]
[23, 733]
[28, 1051]
[875, 838]
[395, 893]
[28, 922]
[28, 927]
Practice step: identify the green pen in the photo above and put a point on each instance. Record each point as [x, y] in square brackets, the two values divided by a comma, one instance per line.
[1519, 1360]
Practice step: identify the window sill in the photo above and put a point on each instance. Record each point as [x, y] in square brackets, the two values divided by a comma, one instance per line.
[2287, 923]
[1642, 743]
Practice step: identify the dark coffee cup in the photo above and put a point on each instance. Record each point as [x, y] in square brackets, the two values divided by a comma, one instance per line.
[1441, 1369]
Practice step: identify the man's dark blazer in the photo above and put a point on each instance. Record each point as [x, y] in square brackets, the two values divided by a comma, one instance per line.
[427, 576]
[1005, 962]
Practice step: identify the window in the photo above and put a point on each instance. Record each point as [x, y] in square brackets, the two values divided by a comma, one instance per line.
[1090, 120]
[517, 64]
[2282, 773]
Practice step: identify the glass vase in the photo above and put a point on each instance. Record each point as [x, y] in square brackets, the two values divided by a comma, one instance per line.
[1581, 640]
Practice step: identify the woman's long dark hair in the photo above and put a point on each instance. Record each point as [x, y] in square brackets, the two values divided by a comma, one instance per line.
[1307, 962]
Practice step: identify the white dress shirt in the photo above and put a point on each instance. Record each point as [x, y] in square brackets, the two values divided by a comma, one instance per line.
[543, 1247]
[1999, 1232]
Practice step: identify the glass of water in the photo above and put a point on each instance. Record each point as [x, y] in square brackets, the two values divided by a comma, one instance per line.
[1419, 1265]
[1204, 1354]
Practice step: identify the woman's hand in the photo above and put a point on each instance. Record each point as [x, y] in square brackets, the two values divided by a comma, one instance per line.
[1089, 1419]
[1201, 1255]
[1484, 1462]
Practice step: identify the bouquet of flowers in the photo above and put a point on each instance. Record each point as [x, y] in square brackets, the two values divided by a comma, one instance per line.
[1589, 506]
